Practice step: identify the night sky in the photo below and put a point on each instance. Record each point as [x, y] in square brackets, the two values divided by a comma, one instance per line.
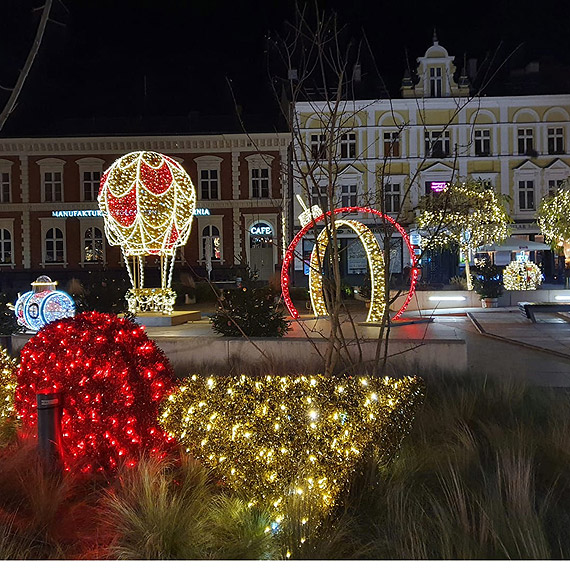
[121, 66]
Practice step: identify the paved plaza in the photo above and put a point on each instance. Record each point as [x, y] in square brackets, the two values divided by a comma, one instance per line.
[500, 342]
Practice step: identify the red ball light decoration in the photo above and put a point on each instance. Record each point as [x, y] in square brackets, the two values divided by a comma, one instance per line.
[112, 378]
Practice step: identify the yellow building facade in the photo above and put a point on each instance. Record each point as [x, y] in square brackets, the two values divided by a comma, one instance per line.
[389, 153]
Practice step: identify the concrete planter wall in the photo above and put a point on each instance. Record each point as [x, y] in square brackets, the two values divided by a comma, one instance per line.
[299, 355]
[425, 300]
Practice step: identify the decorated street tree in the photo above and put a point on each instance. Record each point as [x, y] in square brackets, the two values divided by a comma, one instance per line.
[469, 214]
[554, 220]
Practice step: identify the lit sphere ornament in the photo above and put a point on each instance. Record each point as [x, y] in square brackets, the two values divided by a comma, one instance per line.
[522, 276]
[43, 305]
[148, 202]
[112, 378]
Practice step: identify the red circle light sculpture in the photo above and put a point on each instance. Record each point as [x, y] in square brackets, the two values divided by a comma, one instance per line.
[112, 378]
[414, 273]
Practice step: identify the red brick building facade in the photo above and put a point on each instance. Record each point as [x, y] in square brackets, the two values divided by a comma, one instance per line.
[49, 222]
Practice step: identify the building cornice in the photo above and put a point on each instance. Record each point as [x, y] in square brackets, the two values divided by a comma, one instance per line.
[210, 204]
[483, 102]
[263, 142]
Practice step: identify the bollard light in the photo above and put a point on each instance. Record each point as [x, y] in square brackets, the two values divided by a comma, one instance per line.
[50, 407]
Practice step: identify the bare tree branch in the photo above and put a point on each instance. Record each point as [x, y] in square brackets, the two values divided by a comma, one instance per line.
[13, 99]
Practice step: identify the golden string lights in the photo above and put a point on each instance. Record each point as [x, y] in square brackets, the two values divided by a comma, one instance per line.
[148, 202]
[375, 263]
[554, 221]
[8, 384]
[279, 438]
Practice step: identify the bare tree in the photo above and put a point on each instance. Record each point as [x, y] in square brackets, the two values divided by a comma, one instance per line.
[25, 71]
[315, 69]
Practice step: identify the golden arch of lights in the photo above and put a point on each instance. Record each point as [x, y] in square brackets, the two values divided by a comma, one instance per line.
[375, 264]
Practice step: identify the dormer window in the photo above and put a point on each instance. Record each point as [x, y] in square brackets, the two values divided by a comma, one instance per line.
[435, 82]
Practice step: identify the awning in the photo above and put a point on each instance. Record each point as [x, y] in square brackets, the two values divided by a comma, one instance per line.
[515, 244]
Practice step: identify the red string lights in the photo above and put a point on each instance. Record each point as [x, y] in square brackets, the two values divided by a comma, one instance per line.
[112, 377]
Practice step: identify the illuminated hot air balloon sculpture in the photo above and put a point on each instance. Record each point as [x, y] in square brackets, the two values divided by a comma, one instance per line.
[148, 202]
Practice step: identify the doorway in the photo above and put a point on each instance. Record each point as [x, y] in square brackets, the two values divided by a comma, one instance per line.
[261, 255]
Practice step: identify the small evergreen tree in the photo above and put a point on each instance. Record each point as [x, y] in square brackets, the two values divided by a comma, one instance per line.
[250, 312]
[488, 282]
[8, 323]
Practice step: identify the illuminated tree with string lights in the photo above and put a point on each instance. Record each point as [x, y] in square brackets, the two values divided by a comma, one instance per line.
[554, 220]
[469, 214]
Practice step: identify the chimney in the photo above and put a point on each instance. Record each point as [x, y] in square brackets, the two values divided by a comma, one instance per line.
[357, 73]
[472, 68]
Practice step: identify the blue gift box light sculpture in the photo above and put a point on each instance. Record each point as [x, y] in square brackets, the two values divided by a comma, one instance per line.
[43, 305]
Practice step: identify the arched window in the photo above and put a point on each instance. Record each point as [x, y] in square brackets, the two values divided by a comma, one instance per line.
[54, 246]
[93, 244]
[5, 246]
[211, 243]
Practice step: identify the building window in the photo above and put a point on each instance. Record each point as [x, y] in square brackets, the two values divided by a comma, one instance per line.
[391, 198]
[260, 182]
[392, 144]
[259, 175]
[5, 246]
[435, 81]
[318, 147]
[525, 141]
[437, 144]
[54, 246]
[211, 243]
[209, 177]
[209, 184]
[91, 181]
[554, 186]
[555, 140]
[526, 195]
[319, 198]
[348, 195]
[5, 187]
[348, 145]
[482, 142]
[53, 186]
[93, 244]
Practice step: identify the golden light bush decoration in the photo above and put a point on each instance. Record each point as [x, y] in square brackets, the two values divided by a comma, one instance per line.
[469, 214]
[521, 276]
[552, 216]
[281, 438]
[8, 384]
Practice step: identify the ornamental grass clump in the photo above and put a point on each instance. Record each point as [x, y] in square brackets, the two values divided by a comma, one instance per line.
[164, 511]
[484, 474]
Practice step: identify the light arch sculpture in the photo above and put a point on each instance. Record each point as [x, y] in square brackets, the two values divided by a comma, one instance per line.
[373, 313]
[375, 263]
